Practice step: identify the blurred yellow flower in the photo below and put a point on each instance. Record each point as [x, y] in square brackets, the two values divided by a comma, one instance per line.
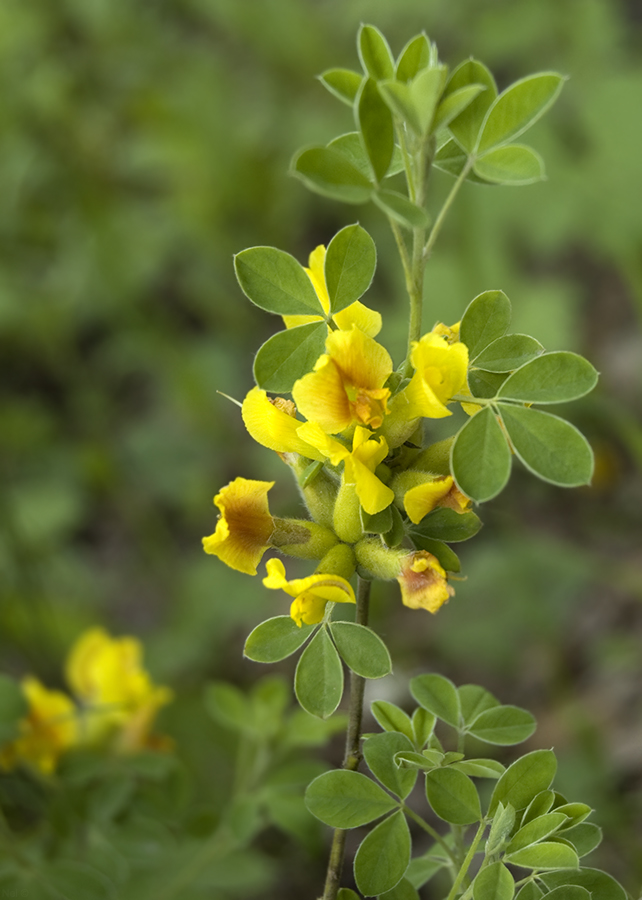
[244, 527]
[347, 384]
[357, 314]
[311, 594]
[423, 582]
[49, 728]
[117, 694]
[423, 498]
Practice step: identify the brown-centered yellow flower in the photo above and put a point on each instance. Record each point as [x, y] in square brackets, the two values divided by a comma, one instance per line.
[347, 384]
[244, 527]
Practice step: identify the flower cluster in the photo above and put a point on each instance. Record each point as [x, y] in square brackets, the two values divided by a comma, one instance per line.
[352, 436]
[115, 703]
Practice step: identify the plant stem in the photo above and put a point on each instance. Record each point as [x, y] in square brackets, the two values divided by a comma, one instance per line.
[463, 871]
[443, 212]
[431, 831]
[352, 756]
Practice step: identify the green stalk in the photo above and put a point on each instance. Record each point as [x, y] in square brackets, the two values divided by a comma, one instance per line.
[352, 756]
[463, 871]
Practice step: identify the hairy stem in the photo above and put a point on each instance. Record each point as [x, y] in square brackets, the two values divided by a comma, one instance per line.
[352, 756]
[463, 871]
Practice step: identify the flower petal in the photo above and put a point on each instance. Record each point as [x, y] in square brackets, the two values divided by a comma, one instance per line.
[423, 582]
[245, 526]
[366, 319]
[423, 498]
[273, 427]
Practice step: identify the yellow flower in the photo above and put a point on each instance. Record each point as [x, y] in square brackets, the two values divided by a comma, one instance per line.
[346, 386]
[49, 728]
[357, 314]
[106, 674]
[423, 498]
[245, 525]
[311, 594]
[272, 423]
[440, 373]
[424, 582]
[360, 464]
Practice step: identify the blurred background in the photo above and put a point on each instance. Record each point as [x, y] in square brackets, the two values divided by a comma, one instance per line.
[142, 144]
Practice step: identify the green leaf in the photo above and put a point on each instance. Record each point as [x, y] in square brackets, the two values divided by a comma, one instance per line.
[379, 523]
[485, 319]
[569, 892]
[500, 829]
[377, 130]
[375, 54]
[467, 125]
[402, 891]
[536, 830]
[525, 778]
[575, 812]
[549, 447]
[289, 355]
[379, 752]
[450, 158]
[480, 457]
[584, 837]
[328, 171]
[398, 98]
[445, 524]
[400, 208]
[13, 707]
[276, 639]
[343, 83]
[555, 377]
[344, 799]
[361, 649]
[474, 700]
[422, 868]
[425, 761]
[538, 806]
[397, 532]
[276, 282]
[519, 107]
[530, 891]
[318, 680]
[438, 695]
[426, 91]
[383, 856]
[423, 725]
[391, 718]
[480, 768]
[508, 352]
[546, 855]
[347, 894]
[445, 556]
[350, 263]
[414, 57]
[455, 103]
[514, 164]
[485, 384]
[228, 706]
[351, 147]
[494, 882]
[453, 796]
[503, 725]
[599, 884]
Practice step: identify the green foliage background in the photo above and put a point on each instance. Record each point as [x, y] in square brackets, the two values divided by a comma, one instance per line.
[141, 145]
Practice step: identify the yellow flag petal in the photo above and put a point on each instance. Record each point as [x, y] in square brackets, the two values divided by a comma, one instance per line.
[423, 498]
[332, 449]
[293, 321]
[273, 427]
[316, 274]
[245, 526]
[424, 583]
[367, 320]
